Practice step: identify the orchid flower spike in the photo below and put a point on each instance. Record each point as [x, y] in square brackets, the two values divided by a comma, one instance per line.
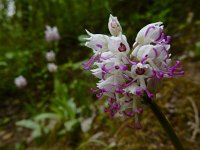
[123, 80]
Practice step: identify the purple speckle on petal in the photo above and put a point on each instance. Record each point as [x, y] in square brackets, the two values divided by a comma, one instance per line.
[99, 45]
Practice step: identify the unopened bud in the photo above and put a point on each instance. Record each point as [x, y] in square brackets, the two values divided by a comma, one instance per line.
[114, 26]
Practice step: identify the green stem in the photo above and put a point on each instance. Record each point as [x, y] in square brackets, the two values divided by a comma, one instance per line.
[165, 123]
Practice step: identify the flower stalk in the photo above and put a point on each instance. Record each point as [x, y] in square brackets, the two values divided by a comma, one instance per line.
[164, 122]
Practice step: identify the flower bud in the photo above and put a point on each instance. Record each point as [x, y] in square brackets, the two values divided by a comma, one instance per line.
[52, 67]
[114, 26]
[20, 81]
[50, 56]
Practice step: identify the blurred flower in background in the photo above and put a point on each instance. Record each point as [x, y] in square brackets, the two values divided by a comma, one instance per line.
[51, 34]
[52, 67]
[20, 81]
[50, 56]
[11, 8]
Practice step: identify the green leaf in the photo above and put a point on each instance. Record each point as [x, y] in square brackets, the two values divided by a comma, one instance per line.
[3, 63]
[28, 124]
[71, 109]
[37, 129]
[69, 125]
[44, 116]
[36, 134]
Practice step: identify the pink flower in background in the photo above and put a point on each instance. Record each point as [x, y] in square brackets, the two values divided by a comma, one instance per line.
[51, 34]
[127, 74]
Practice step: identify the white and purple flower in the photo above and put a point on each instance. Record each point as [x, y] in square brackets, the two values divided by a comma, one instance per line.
[126, 76]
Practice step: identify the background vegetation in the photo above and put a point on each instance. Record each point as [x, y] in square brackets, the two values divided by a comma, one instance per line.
[57, 110]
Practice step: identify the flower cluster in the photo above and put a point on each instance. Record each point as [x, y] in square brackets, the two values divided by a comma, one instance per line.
[127, 74]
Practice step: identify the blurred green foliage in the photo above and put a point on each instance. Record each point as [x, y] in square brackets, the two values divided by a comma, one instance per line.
[64, 96]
